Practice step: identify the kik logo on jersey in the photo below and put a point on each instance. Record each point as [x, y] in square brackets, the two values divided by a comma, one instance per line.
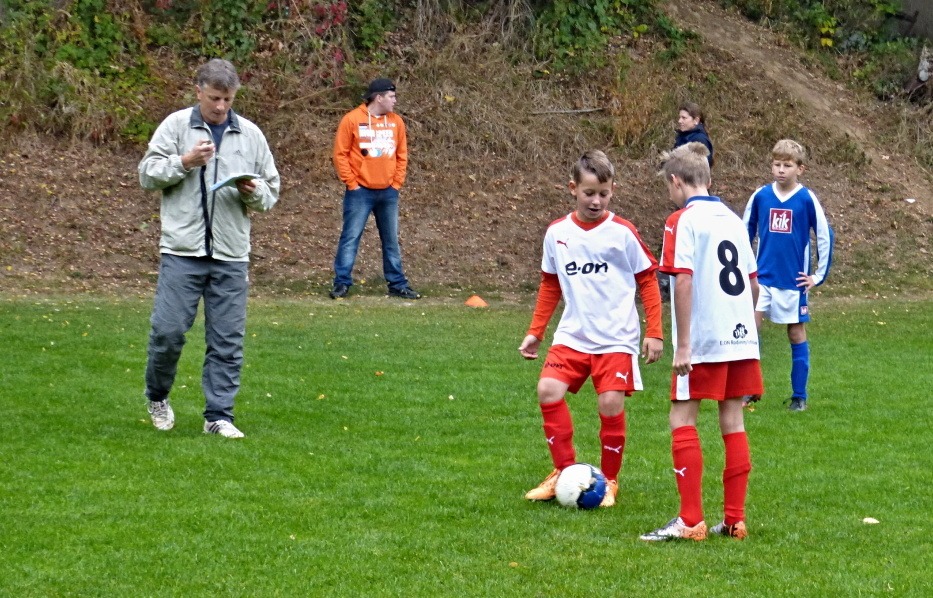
[781, 221]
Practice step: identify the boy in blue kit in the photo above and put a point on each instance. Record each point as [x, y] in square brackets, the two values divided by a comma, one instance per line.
[782, 215]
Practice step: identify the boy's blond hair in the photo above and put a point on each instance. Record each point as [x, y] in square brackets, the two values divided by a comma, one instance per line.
[595, 162]
[688, 163]
[788, 149]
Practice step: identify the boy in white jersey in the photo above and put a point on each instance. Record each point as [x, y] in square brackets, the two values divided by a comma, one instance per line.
[782, 215]
[706, 249]
[596, 261]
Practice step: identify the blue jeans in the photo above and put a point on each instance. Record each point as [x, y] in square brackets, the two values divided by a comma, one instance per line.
[357, 205]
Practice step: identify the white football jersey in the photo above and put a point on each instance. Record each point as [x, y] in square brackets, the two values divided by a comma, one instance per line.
[596, 269]
[709, 241]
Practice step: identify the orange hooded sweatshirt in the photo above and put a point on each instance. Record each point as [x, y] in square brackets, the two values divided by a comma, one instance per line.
[371, 151]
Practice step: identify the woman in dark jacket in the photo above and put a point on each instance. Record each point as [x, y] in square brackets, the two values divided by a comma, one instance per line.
[691, 127]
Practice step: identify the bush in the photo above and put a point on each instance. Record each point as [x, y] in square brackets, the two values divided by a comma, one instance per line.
[229, 27]
[372, 20]
[575, 36]
[100, 69]
[887, 66]
[855, 30]
[75, 71]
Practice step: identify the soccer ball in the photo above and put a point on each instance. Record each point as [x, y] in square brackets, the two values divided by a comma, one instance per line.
[580, 486]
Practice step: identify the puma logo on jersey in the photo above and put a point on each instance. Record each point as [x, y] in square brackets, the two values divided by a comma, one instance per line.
[623, 376]
[615, 449]
[780, 220]
[681, 472]
[669, 229]
[551, 439]
[564, 243]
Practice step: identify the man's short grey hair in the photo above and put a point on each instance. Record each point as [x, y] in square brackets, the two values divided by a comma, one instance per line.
[219, 74]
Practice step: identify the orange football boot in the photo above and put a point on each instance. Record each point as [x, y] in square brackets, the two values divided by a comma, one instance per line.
[546, 490]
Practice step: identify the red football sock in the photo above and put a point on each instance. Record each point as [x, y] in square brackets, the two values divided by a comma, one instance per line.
[558, 430]
[735, 476]
[612, 437]
[688, 471]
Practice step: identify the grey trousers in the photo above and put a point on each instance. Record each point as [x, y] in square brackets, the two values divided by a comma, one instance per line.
[183, 281]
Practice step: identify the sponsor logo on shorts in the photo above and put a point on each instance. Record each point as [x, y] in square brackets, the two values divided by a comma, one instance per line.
[553, 365]
[804, 310]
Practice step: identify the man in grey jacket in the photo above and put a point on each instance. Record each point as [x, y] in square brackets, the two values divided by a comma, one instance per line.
[205, 240]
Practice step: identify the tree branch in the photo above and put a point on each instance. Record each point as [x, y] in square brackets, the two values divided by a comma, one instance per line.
[579, 111]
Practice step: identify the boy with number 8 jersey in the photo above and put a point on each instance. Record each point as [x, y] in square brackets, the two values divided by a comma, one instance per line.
[782, 215]
[707, 251]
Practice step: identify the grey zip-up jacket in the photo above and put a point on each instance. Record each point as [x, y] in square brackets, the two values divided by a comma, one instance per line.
[195, 221]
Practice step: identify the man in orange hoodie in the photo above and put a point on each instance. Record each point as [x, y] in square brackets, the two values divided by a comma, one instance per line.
[371, 157]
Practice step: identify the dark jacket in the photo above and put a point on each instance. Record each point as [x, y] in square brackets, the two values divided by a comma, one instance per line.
[699, 134]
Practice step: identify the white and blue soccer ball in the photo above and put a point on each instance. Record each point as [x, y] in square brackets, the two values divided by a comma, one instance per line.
[580, 486]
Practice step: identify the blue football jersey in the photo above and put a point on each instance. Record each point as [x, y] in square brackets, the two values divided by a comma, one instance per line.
[783, 225]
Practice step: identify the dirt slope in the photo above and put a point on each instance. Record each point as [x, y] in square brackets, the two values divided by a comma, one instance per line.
[826, 101]
[73, 216]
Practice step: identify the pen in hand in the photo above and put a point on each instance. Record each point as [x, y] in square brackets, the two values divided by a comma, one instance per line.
[199, 155]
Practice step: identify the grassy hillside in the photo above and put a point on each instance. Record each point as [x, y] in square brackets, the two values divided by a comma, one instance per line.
[492, 133]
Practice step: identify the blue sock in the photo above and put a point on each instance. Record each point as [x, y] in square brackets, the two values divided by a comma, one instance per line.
[800, 368]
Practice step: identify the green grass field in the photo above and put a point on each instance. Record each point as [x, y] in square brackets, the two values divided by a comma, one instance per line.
[389, 444]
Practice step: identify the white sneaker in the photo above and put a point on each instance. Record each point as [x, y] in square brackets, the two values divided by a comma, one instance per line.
[163, 418]
[224, 428]
[676, 529]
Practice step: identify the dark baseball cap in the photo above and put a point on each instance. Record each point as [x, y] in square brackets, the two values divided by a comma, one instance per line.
[378, 86]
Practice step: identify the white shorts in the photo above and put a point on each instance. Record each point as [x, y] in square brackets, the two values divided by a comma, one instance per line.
[783, 306]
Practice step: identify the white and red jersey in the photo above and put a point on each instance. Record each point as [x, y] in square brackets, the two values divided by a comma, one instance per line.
[709, 241]
[596, 265]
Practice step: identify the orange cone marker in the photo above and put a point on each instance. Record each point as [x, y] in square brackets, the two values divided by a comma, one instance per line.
[475, 301]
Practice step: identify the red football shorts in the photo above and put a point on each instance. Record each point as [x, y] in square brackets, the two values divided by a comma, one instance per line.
[718, 381]
[610, 371]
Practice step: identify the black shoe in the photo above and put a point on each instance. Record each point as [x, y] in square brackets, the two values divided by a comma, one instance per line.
[339, 291]
[404, 293]
[798, 404]
[750, 400]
